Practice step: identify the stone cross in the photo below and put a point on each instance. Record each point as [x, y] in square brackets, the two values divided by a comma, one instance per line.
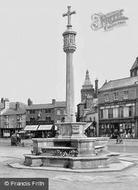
[68, 14]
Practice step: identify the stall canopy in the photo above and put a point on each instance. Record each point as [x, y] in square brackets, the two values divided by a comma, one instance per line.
[31, 128]
[44, 127]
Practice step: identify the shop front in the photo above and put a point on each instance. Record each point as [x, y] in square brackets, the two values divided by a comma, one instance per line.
[126, 128]
[7, 132]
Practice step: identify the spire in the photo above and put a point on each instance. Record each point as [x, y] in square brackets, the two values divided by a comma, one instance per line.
[87, 82]
[87, 79]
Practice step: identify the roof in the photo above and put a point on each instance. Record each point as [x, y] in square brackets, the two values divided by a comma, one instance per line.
[46, 106]
[119, 83]
[14, 112]
[135, 65]
[87, 82]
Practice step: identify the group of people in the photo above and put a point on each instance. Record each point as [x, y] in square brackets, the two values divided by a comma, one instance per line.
[119, 139]
[15, 139]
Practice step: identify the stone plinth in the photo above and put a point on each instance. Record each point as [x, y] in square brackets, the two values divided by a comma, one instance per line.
[71, 129]
[84, 146]
[66, 162]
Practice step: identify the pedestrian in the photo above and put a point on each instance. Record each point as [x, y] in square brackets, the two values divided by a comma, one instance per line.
[18, 138]
[14, 140]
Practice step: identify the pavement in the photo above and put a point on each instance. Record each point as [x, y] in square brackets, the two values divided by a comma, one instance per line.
[123, 180]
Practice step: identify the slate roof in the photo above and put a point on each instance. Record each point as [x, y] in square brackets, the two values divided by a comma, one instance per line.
[14, 112]
[119, 83]
[46, 106]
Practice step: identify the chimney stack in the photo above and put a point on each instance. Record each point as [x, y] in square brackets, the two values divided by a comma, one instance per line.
[6, 103]
[29, 101]
[53, 101]
[96, 88]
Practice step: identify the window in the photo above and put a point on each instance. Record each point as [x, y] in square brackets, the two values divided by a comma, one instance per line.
[105, 113]
[32, 119]
[121, 112]
[32, 111]
[101, 113]
[126, 111]
[6, 118]
[110, 113]
[48, 119]
[130, 111]
[115, 95]
[19, 125]
[6, 125]
[47, 110]
[106, 98]
[125, 94]
[115, 112]
[19, 117]
[58, 112]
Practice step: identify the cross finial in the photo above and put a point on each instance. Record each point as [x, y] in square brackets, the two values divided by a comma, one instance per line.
[68, 14]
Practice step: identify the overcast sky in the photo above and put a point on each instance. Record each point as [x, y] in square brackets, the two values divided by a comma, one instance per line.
[32, 61]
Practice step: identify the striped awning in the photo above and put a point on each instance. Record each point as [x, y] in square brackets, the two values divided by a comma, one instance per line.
[44, 127]
[87, 125]
[31, 128]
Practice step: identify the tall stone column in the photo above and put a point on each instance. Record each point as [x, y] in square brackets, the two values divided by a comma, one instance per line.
[69, 47]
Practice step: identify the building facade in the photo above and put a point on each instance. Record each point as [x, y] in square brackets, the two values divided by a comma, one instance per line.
[45, 114]
[87, 109]
[118, 106]
[12, 117]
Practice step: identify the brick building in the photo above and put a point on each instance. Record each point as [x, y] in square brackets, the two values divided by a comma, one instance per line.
[12, 117]
[118, 106]
[45, 115]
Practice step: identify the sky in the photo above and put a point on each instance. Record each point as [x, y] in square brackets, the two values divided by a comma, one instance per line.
[32, 61]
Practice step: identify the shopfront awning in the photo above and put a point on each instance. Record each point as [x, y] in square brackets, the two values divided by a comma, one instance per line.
[31, 128]
[44, 127]
[87, 125]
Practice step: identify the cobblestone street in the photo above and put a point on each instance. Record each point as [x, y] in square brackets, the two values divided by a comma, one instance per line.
[126, 179]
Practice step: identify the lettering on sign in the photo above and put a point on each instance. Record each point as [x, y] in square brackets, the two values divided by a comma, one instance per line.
[75, 129]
